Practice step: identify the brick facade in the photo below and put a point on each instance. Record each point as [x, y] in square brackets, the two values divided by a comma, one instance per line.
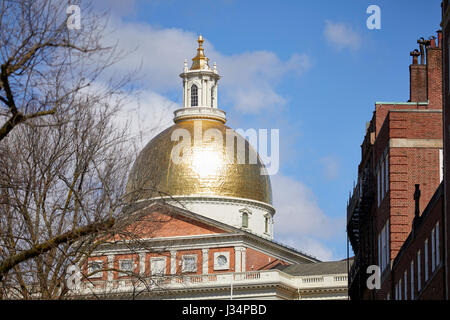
[402, 148]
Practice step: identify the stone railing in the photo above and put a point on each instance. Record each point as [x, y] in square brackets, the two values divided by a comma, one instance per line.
[174, 282]
[199, 112]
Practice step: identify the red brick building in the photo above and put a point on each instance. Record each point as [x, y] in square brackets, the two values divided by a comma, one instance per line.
[402, 148]
[446, 100]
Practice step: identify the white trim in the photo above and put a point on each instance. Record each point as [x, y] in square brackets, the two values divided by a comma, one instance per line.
[225, 254]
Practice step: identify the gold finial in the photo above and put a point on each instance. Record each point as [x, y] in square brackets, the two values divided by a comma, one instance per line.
[200, 61]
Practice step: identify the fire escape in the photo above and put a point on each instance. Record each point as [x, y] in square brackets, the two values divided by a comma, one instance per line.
[359, 223]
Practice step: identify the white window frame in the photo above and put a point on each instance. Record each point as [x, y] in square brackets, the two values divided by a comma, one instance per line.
[183, 264]
[90, 270]
[226, 254]
[153, 262]
[124, 272]
[441, 165]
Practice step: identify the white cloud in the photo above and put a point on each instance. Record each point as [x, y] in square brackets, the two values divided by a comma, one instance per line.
[299, 221]
[248, 81]
[341, 35]
[330, 167]
[309, 246]
[146, 113]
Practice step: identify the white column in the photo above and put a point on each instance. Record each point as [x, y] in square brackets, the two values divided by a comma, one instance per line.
[205, 260]
[141, 263]
[173, 262]
[215, 95]
[237, 259]
[205, 93]
[243, 269]
[208, 94]
[184, 93]
[110, 266]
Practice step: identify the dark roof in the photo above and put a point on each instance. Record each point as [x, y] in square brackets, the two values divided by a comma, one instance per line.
[319, 268]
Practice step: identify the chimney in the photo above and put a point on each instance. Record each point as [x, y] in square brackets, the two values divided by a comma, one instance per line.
[433, 42]
[418, 75]
[415, 54]
[439, 33]
[434, 73]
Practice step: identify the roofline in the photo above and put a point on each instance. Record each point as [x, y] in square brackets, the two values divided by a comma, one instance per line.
[226, 227]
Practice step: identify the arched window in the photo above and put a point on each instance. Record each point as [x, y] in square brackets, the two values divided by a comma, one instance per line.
[212, 97]
[266, 225]
[245, 219]
[194, 96]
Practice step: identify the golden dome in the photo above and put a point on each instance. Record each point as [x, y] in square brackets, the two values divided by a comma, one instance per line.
[204, 170]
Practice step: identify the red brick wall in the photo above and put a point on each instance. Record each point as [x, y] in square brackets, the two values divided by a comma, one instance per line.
[434, 73]
[256, 260]
[418, 83]
[157, 224]
[434, 287]
[446, 102]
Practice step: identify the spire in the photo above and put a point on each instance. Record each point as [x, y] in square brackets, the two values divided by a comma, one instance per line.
[200, 61]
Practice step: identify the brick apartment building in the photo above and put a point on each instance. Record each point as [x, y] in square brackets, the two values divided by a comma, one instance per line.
[402, 148]
[446, 125]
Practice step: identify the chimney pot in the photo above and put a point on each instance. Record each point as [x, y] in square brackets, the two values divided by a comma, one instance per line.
[415, 54]
[439, 33]
[433, 42]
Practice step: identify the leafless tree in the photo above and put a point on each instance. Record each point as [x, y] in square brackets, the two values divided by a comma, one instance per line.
[63, 160]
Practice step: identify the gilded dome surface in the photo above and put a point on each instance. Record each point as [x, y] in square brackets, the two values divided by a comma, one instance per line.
[203, 170]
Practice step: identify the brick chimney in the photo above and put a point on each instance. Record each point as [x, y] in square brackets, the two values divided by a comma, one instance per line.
[425, 82]
[434, 73]
[418, 76]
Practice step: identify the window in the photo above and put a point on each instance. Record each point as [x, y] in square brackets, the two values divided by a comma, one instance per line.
[378, 187]
[194, 96]
[425, 256]
[266, 225]
[245, 220]
[419, 276]
[157, 266]
[386, 170]
[94, 268]
[379, 251]
[212, 97]
[383, 247]
[126, 266]
[438, 258]
[396, 292]
[412, 280]
[222, 260]
[189, 263]
[400, 289]
[382, 179]
[433, 252]
[405, 280]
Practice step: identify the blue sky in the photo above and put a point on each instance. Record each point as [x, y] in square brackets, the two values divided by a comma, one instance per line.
[309, 68]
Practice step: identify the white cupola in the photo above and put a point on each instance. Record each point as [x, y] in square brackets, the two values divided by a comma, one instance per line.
[200, 89]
